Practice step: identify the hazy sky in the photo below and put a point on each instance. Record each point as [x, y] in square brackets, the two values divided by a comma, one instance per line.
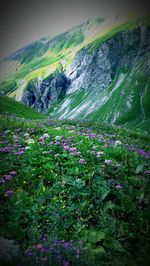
[22, 22]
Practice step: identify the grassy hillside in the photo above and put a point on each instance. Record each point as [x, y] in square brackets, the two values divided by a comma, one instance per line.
[74, 194]
[10, 106]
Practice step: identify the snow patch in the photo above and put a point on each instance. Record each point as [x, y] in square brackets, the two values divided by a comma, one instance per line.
[64, 105]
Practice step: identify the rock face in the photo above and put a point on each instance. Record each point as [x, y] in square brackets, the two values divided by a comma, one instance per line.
[108, 80]
[39, 94]
[98, 68]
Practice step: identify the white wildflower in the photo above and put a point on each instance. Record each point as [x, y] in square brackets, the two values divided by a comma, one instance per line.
[30, 141]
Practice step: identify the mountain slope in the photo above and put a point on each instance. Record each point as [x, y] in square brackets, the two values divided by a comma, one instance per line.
[10, 106]
[94, 71]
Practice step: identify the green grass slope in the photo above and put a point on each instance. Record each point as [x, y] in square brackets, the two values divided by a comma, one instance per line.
[10, 106]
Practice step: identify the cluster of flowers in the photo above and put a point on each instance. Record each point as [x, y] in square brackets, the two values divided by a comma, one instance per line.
[8, 177]
[66, 144]
[43, 138]
[94, 151]
[14, 148]
[141, 152]
[5, 179]
[63, 251]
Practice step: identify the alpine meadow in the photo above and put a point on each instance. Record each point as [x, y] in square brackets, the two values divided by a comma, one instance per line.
[74, 147]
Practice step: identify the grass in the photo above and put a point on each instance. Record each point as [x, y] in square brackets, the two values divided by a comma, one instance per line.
[10, 106]
[75, 196]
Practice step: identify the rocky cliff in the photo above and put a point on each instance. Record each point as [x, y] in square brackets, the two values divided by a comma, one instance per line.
[40, 94]
[88, 74]
[98, 68]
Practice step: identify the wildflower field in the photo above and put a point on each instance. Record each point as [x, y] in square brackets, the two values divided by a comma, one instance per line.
[74, 193]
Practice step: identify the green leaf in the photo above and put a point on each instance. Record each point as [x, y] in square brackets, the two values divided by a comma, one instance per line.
[139, 168]
[79, 183]
[98, 250]
[93, 236]
[110, 205]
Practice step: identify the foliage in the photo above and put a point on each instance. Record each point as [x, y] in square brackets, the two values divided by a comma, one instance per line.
[73, 193]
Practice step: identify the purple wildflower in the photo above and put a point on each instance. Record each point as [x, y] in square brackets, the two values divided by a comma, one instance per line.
[147, 154]
[142, 152]
[65, 263]
[108, 162]
[88, 130]
[119, 187]
[77, 253]
[73, 153]
[66, 245]
[22, 149]
[70, 138]
[17, 145]
[73, 149]
[9, 193]
[41, 138]
[2, 181]
[28, 253]
[147, 172]
[93, 136]
[19, 153]
[51, 143]
[66, 148]
[13, 173]
[5, 149]
[64, 141]
[43, 238]
[82, 161]
[7, 177]
[131, 149]
[81, 243]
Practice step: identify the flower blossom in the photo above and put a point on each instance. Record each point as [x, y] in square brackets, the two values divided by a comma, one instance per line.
[66, 148]
[46, 135]
[118, 187]
[82, 161]
[9, 193]
[13, 173]
[108, 162]
[30, 141]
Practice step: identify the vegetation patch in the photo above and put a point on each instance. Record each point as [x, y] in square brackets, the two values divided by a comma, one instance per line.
[74, 193]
